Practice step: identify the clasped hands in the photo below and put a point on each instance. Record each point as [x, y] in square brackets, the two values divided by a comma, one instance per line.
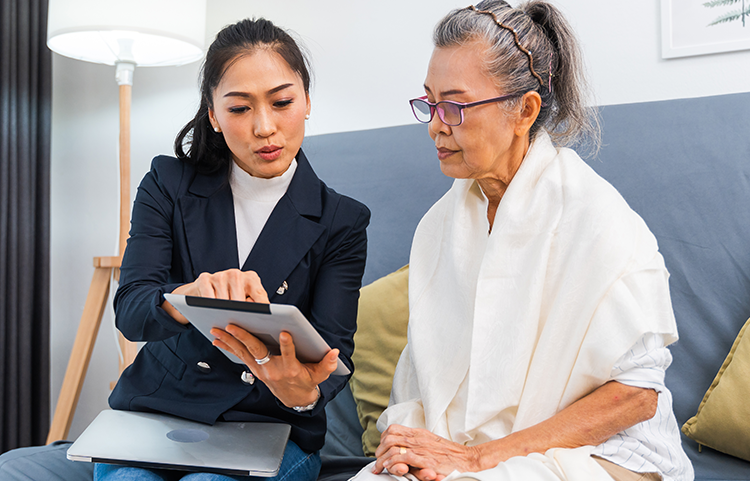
[291, 381]
[424, 455]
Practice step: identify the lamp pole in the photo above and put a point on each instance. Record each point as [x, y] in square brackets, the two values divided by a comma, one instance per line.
[124, 75]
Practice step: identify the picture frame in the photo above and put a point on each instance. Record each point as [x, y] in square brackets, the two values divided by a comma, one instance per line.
[701, 27]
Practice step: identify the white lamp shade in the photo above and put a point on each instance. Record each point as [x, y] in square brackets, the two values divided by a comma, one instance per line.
[145, 32]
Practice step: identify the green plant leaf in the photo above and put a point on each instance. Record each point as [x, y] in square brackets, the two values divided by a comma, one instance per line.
[720, 3]
[730, 17]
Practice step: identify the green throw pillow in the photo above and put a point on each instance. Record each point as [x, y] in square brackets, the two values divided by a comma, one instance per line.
[380, 338]
[723, 418]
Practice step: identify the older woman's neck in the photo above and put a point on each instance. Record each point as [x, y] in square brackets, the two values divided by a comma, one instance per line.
[494, 187]
[494, 191]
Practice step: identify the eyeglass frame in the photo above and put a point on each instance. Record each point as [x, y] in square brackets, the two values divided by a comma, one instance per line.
[461, 106]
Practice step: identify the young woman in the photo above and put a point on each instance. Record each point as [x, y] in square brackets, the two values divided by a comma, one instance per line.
[240, 215]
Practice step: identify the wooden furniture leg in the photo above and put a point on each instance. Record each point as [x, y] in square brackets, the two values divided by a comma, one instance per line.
[129, 351]
[96, 300]
[80, 355]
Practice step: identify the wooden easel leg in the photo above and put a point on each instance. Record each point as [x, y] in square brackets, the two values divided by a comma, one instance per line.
[81, 354]
[129, 351]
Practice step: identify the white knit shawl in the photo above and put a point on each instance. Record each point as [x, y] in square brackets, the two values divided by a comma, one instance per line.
[512, 327]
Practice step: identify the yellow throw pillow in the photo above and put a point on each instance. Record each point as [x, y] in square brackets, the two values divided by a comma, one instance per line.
[380, 338]
[723, 418]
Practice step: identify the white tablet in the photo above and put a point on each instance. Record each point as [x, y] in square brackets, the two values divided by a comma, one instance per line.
[264, 321]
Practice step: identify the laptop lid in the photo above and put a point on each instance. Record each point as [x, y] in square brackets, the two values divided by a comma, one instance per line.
[160, 441]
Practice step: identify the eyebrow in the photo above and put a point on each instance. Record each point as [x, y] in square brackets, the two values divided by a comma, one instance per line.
[447, 92]
[270, 92]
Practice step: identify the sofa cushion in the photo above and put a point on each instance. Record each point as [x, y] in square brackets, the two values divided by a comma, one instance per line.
[343, 432]
[380, 338]
[723, 418]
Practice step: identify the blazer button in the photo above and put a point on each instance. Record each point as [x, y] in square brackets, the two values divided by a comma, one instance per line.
[247, 377]
[204, 367]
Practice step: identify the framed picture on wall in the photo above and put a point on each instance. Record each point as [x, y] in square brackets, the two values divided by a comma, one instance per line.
[699, 27]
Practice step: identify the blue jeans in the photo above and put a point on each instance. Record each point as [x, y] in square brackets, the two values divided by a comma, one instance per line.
[297, 465]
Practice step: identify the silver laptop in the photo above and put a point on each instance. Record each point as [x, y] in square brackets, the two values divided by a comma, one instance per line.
[164, 442]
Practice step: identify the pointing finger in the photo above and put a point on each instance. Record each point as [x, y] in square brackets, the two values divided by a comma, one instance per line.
[254, 288]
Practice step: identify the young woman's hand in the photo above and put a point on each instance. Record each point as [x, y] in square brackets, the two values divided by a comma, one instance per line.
[232, 284]
[291, 381]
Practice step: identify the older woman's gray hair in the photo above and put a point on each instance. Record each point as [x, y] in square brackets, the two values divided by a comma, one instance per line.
[530, 48]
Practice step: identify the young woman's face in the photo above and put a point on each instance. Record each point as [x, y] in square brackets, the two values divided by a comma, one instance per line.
[260, 107]
[484, 145]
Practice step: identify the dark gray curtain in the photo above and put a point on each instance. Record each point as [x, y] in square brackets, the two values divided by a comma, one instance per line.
[25, 115]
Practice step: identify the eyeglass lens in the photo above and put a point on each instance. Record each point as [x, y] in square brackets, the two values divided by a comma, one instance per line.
[422, 110]
[449, 113]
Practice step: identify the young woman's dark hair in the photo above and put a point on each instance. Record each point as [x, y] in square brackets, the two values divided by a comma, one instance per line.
[197, 143]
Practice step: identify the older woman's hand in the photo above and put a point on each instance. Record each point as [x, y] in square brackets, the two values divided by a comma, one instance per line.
[422, 453]
[292, 382]
[590, 421]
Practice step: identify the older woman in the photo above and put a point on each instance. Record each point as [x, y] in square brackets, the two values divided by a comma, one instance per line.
[539, 303]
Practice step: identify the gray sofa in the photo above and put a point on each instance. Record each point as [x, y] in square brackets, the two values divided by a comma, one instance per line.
[683, 165]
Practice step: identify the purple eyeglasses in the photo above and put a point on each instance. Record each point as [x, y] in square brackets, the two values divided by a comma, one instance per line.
[451, 113]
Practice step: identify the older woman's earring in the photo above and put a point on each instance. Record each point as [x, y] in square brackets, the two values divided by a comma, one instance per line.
[217, 130]
[307, 117]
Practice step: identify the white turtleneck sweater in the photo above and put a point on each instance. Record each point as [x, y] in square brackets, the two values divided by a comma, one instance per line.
[254, 200]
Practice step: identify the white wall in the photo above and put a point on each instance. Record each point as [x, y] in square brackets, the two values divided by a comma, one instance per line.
[379, 54]
[369, 58]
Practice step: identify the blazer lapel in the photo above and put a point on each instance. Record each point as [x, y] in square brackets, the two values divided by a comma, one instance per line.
[208, 218]
[291, 230]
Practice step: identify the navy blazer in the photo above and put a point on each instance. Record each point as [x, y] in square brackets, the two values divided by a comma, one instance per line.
[183, 225]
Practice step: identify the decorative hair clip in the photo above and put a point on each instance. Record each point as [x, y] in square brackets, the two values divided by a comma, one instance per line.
[518, 43]
[549, 75]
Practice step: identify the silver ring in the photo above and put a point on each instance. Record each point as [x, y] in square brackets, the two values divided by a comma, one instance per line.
[263, 360]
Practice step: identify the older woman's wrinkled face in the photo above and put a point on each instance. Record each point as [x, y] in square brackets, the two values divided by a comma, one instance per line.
[485, 145]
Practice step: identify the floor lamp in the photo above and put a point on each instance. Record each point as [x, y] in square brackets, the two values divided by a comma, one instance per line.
[123, 33]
